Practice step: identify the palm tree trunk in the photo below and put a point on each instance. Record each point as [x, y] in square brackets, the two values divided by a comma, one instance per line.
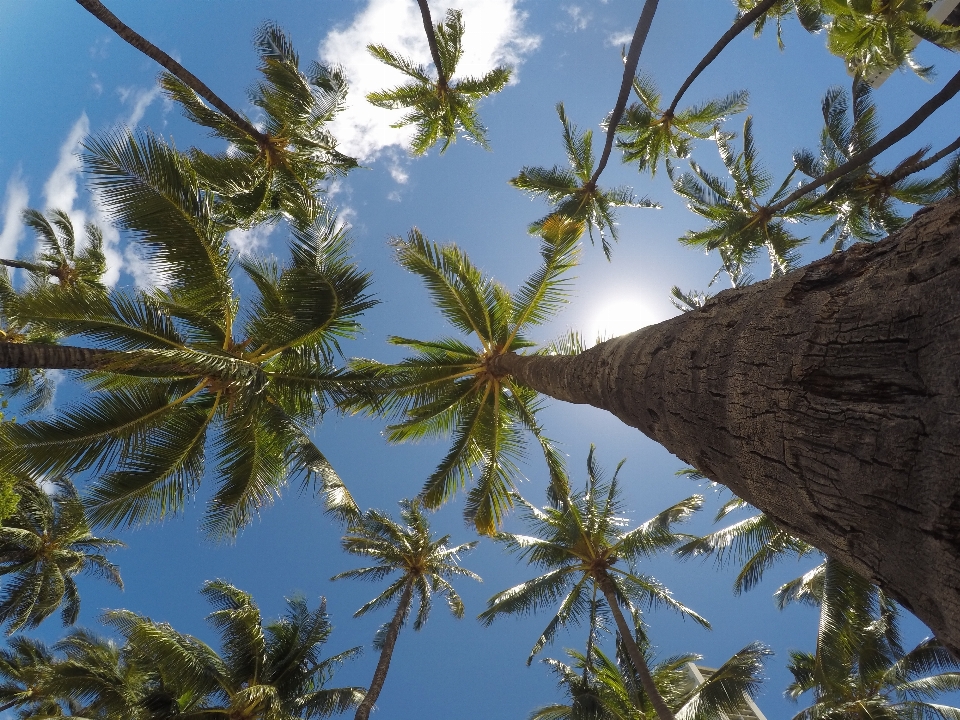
[829, 398]
[626, 634]
[380, 674]
[131, 36]
[432, 42]
[44, 356]
[32, 267]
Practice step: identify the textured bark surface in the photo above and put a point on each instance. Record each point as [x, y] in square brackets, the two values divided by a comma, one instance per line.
[829, 399]
[59, 357]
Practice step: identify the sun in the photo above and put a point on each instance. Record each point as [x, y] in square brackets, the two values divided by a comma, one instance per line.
[618, 317]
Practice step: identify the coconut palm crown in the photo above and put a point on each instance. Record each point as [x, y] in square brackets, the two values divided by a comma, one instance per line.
[44, 545]
[280, 171]
[448, 385]
[178, 361]
[572, 192]
[439, 107]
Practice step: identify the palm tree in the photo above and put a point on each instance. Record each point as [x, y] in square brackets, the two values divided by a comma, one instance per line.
[573, 192]
[447, 387]
[43, 546]
[862, 203]
[859, 668]
[279, 170]
[879, 35]
[176, 361]
[607, 689]
[440, 108]
[424, 562]
[808, 12]
[741, 224]
[579, 541]
[264, 670]
[648, 134]
[25, 670]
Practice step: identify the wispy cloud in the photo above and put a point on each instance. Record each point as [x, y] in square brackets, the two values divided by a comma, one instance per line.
[60, 190]
[579, 18]
[620, 39]
[139, 99]
[495, 35]
[15, 202]
[250, 241]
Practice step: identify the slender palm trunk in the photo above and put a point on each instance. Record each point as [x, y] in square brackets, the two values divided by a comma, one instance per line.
[626, 634]
[432, 42]
[13, 703]
[829, 398]
[44, 356]
[131, 36]
[33, 267]
[380, 674]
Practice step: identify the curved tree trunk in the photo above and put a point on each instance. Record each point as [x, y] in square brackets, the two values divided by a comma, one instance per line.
[380, 674]
[639, 663]
[828, 398]
[46, 356]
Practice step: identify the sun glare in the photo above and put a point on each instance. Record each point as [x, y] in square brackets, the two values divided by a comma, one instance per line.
[619, 318]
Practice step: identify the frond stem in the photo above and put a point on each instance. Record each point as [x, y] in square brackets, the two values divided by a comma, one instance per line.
[924, 164]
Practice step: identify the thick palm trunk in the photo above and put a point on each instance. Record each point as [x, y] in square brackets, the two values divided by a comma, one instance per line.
[828, 398]
[380, 674]
[639, 663]
[44, 356]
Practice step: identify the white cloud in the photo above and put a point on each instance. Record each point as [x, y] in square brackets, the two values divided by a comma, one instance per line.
[139, 100]
[397, 171]
[494, 36]
[250, 241]
[60, 190]
[620, 39]
[96, 84]
[578, 18]
[14, 204]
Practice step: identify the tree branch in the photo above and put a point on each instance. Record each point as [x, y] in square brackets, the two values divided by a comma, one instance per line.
[890, 139]
[629, 72]
[103, 14]
[432, 42]
[924, 164]
[739, 26]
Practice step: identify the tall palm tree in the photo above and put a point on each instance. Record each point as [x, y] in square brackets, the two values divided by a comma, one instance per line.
[440, 108]
[43, 546]
[264, 671]
[574, 193]
[861, 204]
[648, 133]
[741, 223]
[424, 563]
[859, 668]
[174, 362]
[278, 171]
[447, 386]
[608, 689]
[579, 542]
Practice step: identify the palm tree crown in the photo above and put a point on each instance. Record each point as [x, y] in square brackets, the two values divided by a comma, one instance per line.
[181, 359]
[43, 546]
[280, 171]
[440, 108]
[424, 563]
[450, 387]
[572, 192]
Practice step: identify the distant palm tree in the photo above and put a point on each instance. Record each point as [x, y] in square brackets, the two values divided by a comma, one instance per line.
[278, 170]
[424, 562]
[440, 108]
[264, 671]
[172, 363]
[861, 204]
[25, 670]
[606, 689]
[579, 542]
[573, 193]
[649, 134]
[43, 546]
[741, 224]
[448, 386]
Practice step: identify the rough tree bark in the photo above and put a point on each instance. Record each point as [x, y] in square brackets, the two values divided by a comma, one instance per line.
[386, 653]
[828, 398]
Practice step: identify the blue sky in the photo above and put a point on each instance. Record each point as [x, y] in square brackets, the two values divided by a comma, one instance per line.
[63, 76]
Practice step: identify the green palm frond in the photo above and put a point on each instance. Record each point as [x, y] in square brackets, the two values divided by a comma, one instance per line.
[574, 197]
[280, 171]
[649, 134]
[440, 107]
[448, 388]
